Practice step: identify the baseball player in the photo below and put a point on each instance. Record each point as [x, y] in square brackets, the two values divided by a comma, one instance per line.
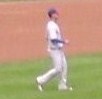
[55, 45]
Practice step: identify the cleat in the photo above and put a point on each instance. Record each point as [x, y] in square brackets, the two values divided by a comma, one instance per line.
[39, 85]
[70, 89]
[64, 88]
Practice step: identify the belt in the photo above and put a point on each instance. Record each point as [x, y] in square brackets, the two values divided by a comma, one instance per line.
[55, 48]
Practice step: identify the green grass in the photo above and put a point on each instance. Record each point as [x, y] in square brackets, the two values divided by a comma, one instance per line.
[17, 79]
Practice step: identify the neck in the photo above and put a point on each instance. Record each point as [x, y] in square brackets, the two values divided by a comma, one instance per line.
[54, 20]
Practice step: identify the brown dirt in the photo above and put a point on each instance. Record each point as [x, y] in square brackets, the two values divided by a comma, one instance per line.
[22, 28]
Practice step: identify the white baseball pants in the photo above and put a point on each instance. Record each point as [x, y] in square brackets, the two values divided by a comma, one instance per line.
[59, 68]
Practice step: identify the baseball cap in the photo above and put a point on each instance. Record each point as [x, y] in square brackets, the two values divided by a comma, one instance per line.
[52, 11]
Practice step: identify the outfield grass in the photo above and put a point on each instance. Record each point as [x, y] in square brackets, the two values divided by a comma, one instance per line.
[17, 79]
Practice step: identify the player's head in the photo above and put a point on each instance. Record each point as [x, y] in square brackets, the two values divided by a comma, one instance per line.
[53, 14]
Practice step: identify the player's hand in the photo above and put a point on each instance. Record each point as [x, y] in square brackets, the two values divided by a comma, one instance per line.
[66, 41]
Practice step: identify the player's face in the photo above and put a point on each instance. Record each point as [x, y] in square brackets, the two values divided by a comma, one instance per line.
[55, 16]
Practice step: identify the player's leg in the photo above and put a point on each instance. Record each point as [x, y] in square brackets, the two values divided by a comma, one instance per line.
[43, 79]
[56, 58]
[63, 75]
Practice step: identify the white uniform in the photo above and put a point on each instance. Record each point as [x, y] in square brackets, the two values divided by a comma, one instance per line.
[58, 57]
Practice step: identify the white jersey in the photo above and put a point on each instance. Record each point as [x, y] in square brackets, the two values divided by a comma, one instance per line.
[53, 32]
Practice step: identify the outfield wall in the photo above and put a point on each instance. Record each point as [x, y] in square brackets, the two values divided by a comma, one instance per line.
[22, 28]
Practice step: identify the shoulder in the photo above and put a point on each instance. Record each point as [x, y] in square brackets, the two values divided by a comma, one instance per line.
[51, 24]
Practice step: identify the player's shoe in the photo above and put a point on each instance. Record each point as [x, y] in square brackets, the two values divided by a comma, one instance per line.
[70, 89]
[39, 85]
[64, 88]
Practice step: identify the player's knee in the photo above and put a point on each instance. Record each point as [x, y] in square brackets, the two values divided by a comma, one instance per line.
[59, 70]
